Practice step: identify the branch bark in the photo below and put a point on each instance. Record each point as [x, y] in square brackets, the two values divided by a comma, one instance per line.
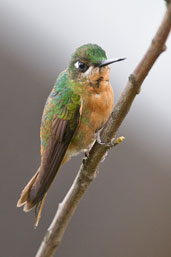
[88, 169]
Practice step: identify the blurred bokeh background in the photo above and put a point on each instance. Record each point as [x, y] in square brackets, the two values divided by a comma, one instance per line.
[126, 212]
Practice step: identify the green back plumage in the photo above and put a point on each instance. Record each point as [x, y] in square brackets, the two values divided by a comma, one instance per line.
[62, 102]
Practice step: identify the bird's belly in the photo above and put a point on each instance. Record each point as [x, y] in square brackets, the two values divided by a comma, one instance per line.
[95, 112]
[81, 141]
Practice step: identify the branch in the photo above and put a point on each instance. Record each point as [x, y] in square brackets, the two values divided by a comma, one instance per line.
[88, 169]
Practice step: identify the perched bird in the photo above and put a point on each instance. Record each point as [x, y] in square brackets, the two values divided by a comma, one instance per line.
[79, 104]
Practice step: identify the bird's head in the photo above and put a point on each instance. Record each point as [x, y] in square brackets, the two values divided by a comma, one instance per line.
[89, 63]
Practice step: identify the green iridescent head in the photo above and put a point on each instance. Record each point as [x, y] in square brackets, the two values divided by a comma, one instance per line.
[85, 59]
[86, 56]
[91, 54]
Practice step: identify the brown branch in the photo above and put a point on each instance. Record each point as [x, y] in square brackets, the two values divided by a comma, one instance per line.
[88, 169]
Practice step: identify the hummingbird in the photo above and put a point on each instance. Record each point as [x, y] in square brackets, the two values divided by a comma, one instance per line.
[78, 106]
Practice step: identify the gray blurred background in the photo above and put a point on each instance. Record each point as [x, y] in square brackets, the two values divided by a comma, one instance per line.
[126, 212]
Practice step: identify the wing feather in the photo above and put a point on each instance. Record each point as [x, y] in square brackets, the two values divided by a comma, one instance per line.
[62, 133]
[59, 122]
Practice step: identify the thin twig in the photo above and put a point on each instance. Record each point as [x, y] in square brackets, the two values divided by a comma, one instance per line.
[88, 169]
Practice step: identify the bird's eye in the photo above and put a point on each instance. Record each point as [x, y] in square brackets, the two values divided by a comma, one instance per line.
[81, 66]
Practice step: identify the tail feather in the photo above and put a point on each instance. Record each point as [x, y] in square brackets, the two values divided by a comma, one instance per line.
[24, 198]
[38, 210]
[28, 205]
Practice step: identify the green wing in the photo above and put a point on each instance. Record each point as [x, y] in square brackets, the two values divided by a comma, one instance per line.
[63, 103]
[59, 122]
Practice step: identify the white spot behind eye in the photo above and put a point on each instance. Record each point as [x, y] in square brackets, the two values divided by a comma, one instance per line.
[85, 73]
[76, 64]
